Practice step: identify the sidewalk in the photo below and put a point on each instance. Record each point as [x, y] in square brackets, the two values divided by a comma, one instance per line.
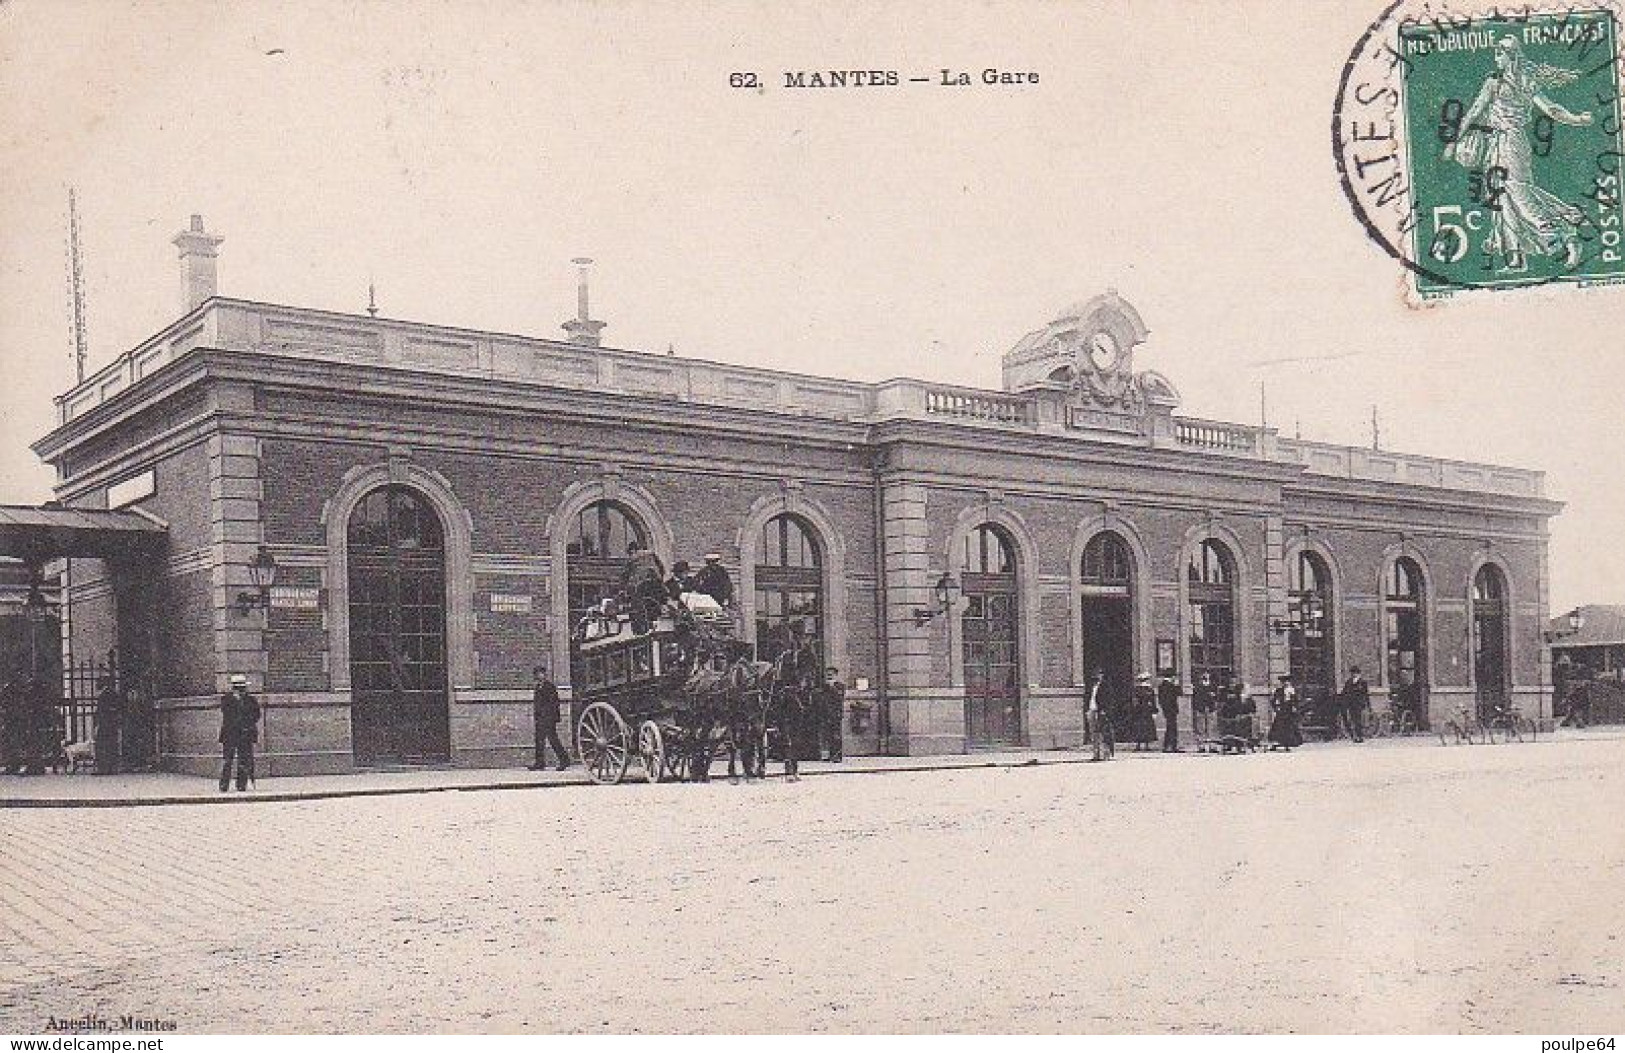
[163, 788]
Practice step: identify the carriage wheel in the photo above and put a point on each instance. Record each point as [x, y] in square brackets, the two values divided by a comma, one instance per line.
[604, 742]
[652, 751]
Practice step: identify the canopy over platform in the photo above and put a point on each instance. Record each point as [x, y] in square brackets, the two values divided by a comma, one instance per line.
[37, 534]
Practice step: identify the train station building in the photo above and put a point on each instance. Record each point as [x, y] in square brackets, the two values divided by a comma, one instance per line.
[386, 524]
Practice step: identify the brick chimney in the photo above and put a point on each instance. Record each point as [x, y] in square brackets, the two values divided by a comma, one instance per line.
[582, 329]
[198, 251]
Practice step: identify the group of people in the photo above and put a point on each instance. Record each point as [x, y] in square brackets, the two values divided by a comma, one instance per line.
[646, 591]
[30, 727]
[1228, 704]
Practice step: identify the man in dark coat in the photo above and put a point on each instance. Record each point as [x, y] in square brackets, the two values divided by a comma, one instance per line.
[680, 581]
[1097, 717]
[109, 727]
[1143, 712]
[545, 707]
[643, 585]
[713, 580]
[239, 730]
[1168, 692]
[831, 706]
[1356, 699]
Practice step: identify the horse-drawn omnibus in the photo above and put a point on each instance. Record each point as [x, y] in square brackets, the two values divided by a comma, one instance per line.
[669, 693]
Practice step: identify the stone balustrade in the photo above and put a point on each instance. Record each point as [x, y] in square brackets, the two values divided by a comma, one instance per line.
[269, 329]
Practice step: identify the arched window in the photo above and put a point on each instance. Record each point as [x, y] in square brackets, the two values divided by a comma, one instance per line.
[988, 636]
[1106, 584]
[1309, 626]
[397, 580]
[789, 585]
[600, 538]
[988, 550]
[1405, 632]
[1490, 621]
[1210, 574]
[1107, 563]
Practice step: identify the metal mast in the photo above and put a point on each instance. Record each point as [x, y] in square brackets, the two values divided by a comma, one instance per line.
[76, 287]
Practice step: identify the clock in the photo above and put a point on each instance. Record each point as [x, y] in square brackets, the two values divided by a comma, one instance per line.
[1103, 351]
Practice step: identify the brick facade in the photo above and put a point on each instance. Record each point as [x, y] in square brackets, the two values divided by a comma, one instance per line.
[273, 433]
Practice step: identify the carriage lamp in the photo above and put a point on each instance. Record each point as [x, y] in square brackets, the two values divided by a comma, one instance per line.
[945, 591]
[262, 573]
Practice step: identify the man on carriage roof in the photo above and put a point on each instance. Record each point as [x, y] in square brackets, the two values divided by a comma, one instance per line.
[713, 580]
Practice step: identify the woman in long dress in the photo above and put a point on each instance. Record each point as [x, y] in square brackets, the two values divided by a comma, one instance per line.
[1285, 729]
[1494, 138]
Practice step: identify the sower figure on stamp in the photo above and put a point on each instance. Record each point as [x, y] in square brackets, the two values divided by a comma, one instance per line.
[239, 730]
[1493, 137]
[545, 708]
[1168, 692]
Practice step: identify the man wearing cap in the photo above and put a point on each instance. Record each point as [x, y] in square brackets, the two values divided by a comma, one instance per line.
[545, 707]
[239, 730]
[680, 581]
[713, 580]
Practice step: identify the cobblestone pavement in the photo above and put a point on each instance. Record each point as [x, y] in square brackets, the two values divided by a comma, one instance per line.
[1428, 889]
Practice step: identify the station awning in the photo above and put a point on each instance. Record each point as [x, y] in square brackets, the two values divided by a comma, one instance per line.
[40, 533]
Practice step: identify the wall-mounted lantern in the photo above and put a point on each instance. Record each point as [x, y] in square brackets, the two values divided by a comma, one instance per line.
[944, 592]
[262, 573]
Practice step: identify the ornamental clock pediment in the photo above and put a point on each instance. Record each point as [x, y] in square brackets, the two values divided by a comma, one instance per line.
[1088, 351]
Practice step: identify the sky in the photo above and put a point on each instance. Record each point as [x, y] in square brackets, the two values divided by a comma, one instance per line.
[458, 155]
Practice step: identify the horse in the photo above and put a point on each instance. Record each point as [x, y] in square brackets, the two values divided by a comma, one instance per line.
[748, 695]
[794, 682]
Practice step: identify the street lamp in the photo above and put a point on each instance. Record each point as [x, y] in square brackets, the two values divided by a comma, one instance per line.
[945, 591]
[262, 573]
[1577, 621]
[36, 614]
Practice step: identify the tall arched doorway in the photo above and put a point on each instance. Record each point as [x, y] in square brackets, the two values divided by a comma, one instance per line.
[1210, 575]
[1107, 587]
[1405, 632]
[988, 637]
[1490, 622]
[789, 577]
[600, 537]
[1310, 645]
[400, 705]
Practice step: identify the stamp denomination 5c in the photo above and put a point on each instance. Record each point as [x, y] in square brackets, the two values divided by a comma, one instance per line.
[1485, 150]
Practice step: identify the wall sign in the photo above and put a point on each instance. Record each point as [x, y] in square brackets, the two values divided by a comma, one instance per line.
[295, 598]
[1167, 664]
[511, 603]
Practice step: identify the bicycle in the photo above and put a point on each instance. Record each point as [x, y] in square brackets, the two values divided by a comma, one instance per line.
[1463, 728]
[1511, 724]
[1393, 721]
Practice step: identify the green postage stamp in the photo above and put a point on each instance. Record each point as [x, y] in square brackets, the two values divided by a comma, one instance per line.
[1485, 150]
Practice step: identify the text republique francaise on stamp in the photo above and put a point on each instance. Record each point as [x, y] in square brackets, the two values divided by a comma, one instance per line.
[1483, 149]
